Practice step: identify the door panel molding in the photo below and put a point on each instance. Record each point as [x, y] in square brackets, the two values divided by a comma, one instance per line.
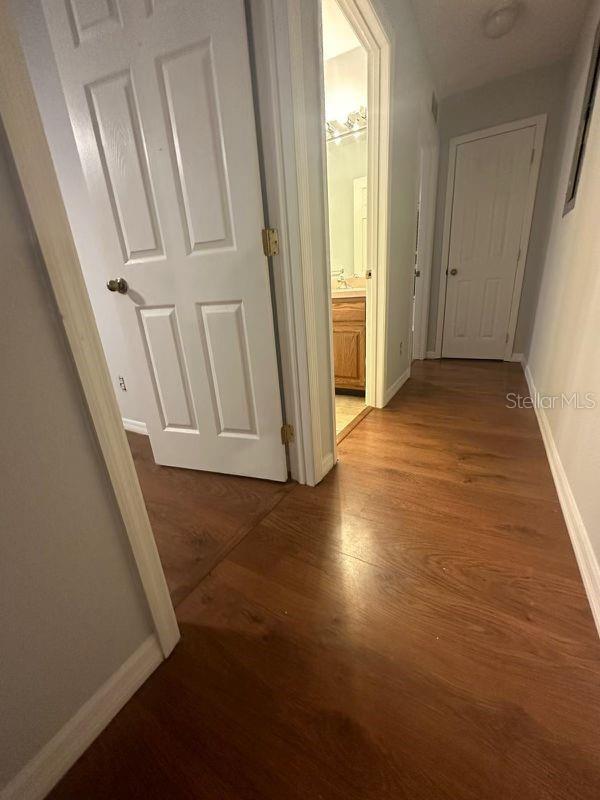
[168, 147]
[539, 123]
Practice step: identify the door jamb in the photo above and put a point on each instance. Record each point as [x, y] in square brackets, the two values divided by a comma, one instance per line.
[369, 29]
[539, 123]
[290, 111]
[430, 149]
[25, 134]
[276, 40]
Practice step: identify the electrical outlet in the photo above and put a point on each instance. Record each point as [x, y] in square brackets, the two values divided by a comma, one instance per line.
[122, 383]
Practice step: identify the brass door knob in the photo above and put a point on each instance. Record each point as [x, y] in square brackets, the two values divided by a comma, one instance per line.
[454, 271]
[117, 285]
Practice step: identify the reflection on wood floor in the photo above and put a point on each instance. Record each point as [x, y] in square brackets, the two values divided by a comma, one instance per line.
[197, 517]
[413, 627]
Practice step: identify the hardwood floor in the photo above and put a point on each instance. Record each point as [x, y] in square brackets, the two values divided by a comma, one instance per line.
[197, 517]
[414, 627]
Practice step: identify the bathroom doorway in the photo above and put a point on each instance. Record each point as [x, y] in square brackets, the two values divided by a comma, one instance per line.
[345, 70]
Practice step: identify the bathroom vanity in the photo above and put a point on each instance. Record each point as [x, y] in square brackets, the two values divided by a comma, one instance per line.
[349, 338]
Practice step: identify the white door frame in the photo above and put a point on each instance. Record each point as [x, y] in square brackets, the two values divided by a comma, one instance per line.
[371, 33]
[286, 39]
[539, 122]
[26, 136]
[289, 198]
[428, 176]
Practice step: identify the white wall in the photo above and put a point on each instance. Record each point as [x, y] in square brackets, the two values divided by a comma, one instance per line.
[43, 71]
[345, 83]
[412, 89]
[73, 610]
[539, 91]
[565, 350]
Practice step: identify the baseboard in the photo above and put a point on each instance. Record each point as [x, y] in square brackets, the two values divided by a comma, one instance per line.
[580, 539]
[432, 354]
[134, 426]
[396, 386]
[44, 771]
[517, 358]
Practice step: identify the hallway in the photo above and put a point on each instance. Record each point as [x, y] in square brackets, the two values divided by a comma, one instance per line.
[413, 627]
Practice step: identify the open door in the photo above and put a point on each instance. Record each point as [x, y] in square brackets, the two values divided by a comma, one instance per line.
[160, 100]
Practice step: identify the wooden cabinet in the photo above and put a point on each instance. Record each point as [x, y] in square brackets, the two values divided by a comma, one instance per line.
[349, 342]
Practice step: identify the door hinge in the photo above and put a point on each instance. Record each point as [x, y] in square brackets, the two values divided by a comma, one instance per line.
[506, 340]
[270, 240]
[519, 256]
[532, 156]
[287, 434]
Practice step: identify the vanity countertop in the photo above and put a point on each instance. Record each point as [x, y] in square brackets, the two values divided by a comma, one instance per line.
[356, 287]
[340, 294]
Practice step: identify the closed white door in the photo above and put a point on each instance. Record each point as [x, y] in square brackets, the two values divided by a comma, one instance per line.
[160, 99]
[490, 196]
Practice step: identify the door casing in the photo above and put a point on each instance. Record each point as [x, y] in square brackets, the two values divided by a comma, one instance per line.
[291, 122]
[428, 193]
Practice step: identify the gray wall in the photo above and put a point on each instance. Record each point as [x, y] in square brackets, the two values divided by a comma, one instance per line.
[565, 347]
[538, 91]
[412, 88]
[72, 605]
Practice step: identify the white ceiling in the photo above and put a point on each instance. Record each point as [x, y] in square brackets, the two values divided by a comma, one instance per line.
[461, 57]
[338, 36]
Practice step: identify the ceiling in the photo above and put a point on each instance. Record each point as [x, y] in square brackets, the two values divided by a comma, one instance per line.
[338, 36]
[462, 57]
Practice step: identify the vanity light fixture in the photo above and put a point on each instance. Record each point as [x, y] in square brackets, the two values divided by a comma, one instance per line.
[356, 121]
[501, 20]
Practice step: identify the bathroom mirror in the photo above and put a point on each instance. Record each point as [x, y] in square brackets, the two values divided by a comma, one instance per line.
[347, 193]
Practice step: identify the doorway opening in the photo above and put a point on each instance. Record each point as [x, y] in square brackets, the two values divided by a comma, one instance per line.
[354, 83]
[345, 74]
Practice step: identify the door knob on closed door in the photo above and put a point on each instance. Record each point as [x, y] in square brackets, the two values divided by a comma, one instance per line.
[117, 285]
[454, 271]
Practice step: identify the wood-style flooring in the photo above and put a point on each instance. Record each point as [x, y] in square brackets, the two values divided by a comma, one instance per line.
[414, 627]
[197, 517]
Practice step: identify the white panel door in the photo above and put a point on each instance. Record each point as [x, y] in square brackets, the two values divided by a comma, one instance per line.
[490, 195]
[160, 99]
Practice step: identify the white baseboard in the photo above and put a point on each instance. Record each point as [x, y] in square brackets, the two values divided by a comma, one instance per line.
[44, 771]
[432, 354]
[134, 426]
[584, 553]
[517, 358]
[398, 384]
